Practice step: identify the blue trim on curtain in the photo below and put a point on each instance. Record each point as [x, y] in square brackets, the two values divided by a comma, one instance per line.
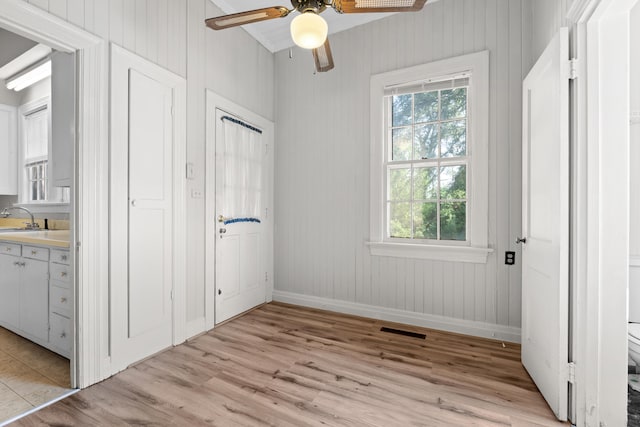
[234, 220]
[241, 123]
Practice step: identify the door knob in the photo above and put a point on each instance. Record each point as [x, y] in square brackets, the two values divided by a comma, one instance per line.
[223, 230]
[521, 240]
[133, 203]
[222, 218]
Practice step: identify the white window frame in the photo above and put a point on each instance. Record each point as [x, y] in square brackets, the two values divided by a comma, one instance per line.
[475, 249]
[55, 203]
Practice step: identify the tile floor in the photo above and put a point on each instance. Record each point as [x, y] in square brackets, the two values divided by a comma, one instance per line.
[30, 375]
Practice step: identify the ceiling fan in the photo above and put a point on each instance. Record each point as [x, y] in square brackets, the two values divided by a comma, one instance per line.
[309, 30]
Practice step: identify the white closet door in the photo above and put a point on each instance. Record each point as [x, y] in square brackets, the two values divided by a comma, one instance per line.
[545, 224]
[142, 247]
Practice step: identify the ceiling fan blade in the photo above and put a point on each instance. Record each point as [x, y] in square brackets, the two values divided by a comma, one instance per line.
[248, 17]
[369, 6]
[323, 58]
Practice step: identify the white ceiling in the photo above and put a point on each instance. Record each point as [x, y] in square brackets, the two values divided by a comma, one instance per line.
[274, 34]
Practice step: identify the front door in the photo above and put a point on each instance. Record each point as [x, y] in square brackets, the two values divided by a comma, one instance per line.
[545, 224]
[240, 259]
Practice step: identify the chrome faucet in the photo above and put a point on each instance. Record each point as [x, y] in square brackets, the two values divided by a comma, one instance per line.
[32, 225]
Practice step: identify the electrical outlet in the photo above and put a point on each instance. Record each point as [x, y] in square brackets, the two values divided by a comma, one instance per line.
[196, 194]
[509, 257]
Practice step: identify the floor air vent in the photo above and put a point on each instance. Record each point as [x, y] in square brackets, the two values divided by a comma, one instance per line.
[405, 333]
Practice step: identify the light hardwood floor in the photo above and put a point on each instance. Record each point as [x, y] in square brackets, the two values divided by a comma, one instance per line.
[30, 375]
[283, 365]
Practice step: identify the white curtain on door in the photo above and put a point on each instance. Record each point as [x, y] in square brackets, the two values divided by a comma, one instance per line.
[243, 153]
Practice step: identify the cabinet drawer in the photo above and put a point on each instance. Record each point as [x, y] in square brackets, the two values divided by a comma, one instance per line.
[60, 300]
[35, 252]
[60, 333]
[10, 249]
[60, 272]
[60, 257]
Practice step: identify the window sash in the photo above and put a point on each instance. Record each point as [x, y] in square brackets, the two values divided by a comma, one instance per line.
[37, 174]
[437, 162]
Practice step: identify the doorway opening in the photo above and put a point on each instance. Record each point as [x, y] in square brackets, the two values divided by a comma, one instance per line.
[37, 110]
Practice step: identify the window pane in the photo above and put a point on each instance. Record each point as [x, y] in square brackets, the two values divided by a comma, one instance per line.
[453, 217]
[42, 190]
[401, 110]
[401, 143]
[426, 106]
[400, 184]
[425, 183]
[453, 182]
[426, 142]
[34, 191]
[454, 103]
[454, 138]
[425, 221]
[400, 220]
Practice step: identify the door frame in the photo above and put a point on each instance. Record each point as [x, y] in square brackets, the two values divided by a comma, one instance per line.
[118, 234]
[89, 205]
[600, 239]
[213, 102]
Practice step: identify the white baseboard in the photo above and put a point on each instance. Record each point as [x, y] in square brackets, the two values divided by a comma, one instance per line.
[467, 327]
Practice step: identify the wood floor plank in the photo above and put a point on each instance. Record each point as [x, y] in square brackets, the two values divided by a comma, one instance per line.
[283, 365]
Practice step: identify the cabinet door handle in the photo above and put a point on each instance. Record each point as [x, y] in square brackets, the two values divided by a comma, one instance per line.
[63, 274]
[34, 252]
[63, 257]
[22, 264]
[16, 263]
[63, 300]
[7, 249]
[63, 335]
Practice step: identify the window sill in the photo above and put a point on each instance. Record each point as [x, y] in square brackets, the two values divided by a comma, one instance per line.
[432, 252]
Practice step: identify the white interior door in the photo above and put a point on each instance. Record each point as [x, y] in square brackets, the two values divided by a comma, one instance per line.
[143, 256]
[545, 224]
[241, 275]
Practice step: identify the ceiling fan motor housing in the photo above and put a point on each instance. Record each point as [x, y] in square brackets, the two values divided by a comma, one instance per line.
[315, 6]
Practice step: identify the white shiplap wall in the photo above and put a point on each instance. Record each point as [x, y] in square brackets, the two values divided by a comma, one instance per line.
[634, 225]
[547, 17]
[172, 34]
[322, 168]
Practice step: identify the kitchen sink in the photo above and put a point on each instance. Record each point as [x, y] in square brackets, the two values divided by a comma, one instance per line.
[15, 230]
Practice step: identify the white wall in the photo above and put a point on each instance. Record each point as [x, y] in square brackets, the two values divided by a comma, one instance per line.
[8, 97]
[322, 165]
[546, 17]
[634, 157]
[36, 91]
[172, 34]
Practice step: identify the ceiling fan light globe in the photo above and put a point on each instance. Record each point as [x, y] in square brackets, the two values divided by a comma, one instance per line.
[309, 30]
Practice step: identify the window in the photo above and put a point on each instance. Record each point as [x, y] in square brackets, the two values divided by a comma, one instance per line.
[429, 160]
[35, 142]
[427, 163]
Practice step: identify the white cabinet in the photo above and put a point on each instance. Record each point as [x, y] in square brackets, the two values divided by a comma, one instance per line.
[8, 150]
[35, 294]
[24, 298]
[34, 297]
[60, 303]
[9, 284]
[63, 113]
